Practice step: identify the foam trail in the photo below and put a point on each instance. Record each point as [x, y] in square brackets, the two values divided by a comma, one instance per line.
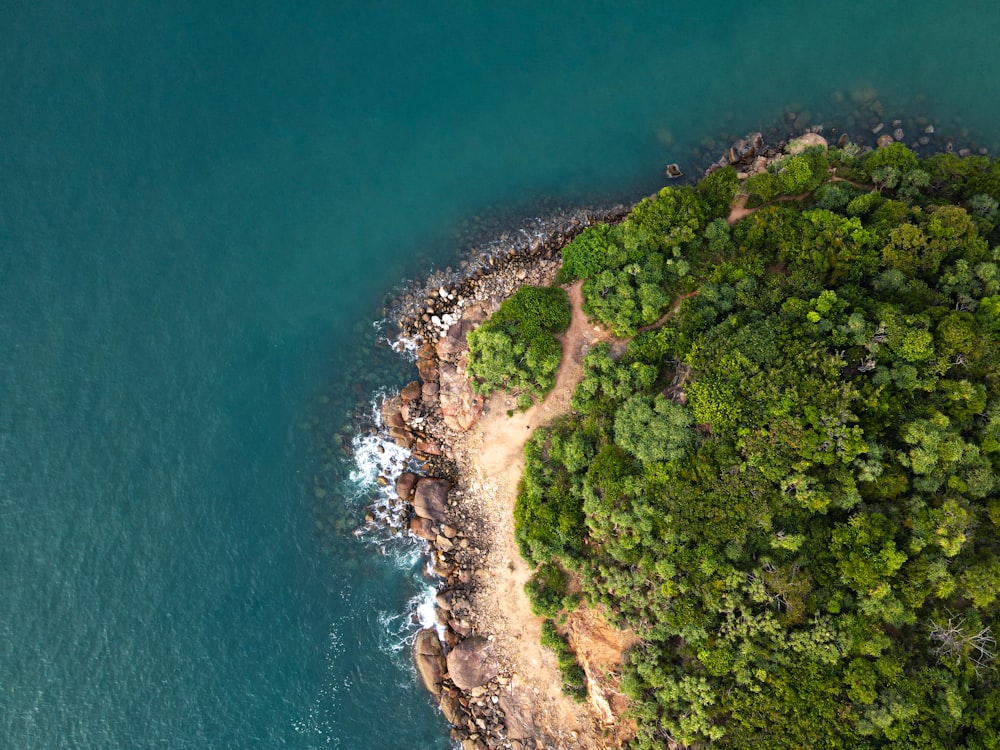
[405, 345]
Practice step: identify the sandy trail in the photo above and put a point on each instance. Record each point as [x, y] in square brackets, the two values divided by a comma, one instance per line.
[496, 448]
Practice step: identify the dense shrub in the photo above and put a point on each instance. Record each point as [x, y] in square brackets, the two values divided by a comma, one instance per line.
[573, 677]
[590, 252]
[718, 190]
[515, 349]
[547, 590]
[809, 546]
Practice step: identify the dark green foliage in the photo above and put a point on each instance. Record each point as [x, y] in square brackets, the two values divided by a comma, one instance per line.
[573, 676]
[590, 252]
[631, 270]
[515, 350]
[791, 487]
[718, 190]
[547, 590]
[548, 516]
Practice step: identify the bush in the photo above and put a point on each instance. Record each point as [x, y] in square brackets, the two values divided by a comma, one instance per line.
[718, 190]
[762, 188]
[894, 156]
[573, 677]
[653, 428]
[546, 589]
[515, 350]
[591, 251]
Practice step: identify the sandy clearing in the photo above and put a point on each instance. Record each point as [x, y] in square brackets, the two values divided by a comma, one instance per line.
[496, 461]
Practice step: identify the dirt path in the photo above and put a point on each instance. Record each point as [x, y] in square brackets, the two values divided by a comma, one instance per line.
[497, 457]
[738, 208]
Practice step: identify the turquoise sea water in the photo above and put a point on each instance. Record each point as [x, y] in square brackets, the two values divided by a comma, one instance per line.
[201, 206]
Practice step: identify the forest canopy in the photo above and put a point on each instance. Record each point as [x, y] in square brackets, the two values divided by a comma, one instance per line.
[789, 486]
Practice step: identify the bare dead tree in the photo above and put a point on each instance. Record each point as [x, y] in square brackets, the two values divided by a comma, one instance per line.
[867, 365]
[955, 641]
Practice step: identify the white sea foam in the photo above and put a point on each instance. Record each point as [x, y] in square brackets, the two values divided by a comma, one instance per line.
[375, 456]
[401, 628]
[405, 345]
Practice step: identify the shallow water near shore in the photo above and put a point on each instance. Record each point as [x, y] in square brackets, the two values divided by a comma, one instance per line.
[201, 209]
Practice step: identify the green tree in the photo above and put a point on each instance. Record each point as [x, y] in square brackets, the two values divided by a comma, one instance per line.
[653, 428]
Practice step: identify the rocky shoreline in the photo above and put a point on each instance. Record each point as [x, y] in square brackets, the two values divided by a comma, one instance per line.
[472, 679]
[474, 682]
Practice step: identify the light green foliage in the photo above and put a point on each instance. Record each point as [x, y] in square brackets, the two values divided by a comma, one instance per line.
[718, 190]
[792, 175]
[789, 489]
[762, 187]
[606, 382]
[653, 429]
[591, 251]
[515, 349]
[632, 269]
[895, 155]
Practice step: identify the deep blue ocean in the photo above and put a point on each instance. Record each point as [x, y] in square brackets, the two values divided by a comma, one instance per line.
[202, 206]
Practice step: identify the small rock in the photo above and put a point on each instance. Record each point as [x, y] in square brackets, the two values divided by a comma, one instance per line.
[443, 543]
[673, 171]
[878, 128]
[884, 140]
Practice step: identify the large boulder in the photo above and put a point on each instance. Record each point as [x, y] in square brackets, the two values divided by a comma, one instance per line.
[808, 140]
[429, 660]
[517, 702]
[423, 527]
[391, 413]
[430, 499]
[451, 708]
[428, 369]
[405, 484]
[411, 391]
[472, 663]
